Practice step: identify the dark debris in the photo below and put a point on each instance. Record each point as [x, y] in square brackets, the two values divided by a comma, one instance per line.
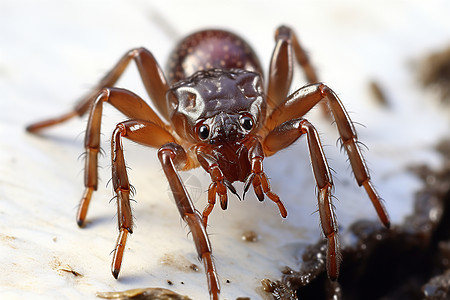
[143, 294]
[409, 261]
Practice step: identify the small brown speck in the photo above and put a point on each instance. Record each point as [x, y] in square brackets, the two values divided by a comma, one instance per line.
[228, 281]
[169, 282]
[250, 236]
[378, 92]
[194, 267]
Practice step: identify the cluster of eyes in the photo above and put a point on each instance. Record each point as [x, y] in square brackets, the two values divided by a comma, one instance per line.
[245, 121]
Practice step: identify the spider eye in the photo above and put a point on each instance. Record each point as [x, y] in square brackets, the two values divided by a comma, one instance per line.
[246, 123]
[203, 132]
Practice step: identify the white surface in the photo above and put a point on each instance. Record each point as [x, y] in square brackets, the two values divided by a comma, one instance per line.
[51, 53]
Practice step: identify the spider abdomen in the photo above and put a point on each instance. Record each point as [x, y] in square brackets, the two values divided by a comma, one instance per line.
[210, 49]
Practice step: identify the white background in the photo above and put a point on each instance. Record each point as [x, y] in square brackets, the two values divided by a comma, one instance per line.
[51, 52]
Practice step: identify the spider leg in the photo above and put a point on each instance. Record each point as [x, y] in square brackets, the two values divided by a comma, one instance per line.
[172, 157]
[152, 77]
[281, 66]
[144, 132]
[282, 108]
[284, 135]
[122, 189]
[128, 103]
[298, 104]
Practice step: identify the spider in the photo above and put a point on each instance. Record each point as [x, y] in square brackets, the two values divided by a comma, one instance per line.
[214, 112]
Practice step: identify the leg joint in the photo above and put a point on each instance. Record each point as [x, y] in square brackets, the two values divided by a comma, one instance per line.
[283, 33]
[324, 90]
[120, 129]
[176, 154]
[136, 52]
[103, 95]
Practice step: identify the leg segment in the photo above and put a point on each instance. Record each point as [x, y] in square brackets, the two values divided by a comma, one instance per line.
[129, 104]
[282, 65]
[148, 134]
[173, 157]
[284, 135]
[152, 77]
[122, 189]
[298, 104]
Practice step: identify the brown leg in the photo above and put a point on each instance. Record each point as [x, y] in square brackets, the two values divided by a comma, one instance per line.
[152, 77]
[298, 104]
[282, 64]
[302, 57]
[129, 104]
[284, 135]
[173, 157]
[122, 189]
[148, 134]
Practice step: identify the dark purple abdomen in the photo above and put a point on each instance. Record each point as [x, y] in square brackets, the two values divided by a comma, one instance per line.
[210, 49]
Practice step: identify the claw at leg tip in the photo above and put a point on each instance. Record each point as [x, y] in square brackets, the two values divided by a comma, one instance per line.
[115, 273]
[80, 223]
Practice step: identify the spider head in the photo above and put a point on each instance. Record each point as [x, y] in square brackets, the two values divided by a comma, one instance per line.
[217, 106]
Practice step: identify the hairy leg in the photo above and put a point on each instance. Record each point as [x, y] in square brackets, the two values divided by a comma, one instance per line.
[144, 132]
[283, 136]
[173, 157]
[129, 104]
[298, 104]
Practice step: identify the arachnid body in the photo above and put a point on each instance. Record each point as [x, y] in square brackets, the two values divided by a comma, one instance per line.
[215, 112]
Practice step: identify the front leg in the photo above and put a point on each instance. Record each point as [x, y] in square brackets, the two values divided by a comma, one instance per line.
[259, 179]
[173, 157]
[122, 190]
[283, 136]
[146, 133]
